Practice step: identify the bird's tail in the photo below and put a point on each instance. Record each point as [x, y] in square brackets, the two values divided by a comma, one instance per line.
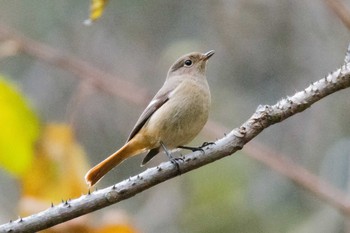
[97, 172]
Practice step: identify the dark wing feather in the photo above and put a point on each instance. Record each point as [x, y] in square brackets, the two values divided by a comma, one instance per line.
[150, 155]
[155, 104]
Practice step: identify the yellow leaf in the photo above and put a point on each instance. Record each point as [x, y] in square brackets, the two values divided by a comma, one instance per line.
[116, 229]
[19, 128]
[96, 10]
[115, 221]
[57, 171]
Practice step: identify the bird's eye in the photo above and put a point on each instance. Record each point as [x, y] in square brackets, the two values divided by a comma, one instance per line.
[188, 63]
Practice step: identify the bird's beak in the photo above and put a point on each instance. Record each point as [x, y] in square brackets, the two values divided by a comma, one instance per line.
[207, 55]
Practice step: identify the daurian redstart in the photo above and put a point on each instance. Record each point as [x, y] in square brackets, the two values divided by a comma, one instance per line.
[175, 115]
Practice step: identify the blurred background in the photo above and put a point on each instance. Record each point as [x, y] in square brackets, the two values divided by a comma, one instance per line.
[265, 51]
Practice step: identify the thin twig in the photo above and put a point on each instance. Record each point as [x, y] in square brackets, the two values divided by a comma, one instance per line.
[341, 10]
[102, 80]
[264, 117]
[300, 176]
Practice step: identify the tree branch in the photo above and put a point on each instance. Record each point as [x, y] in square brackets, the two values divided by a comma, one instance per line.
[264, 117]
[83, 70]
[300, 176]
[341, 10]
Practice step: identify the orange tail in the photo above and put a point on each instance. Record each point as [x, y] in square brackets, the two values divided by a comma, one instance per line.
[97, 172]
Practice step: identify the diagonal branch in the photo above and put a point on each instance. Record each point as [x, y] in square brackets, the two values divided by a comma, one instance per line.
[264, 117]
[110, 84]
[300, 176]
[341, 10]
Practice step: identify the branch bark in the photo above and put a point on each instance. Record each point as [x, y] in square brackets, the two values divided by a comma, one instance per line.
[264, 117]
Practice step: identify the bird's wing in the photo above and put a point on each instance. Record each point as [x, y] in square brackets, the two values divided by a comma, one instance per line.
[158, 101]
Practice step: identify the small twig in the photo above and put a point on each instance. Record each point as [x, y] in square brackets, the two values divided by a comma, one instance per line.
[341, 10]
[264, 117]
[83, 70]
[300, 176]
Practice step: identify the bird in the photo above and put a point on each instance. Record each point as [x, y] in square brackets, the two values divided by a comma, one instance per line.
[172, 119]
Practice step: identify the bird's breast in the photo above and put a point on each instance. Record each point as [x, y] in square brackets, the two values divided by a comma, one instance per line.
[183, 116]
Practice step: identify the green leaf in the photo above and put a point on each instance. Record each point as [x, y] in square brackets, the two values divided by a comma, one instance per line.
[19, 129]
